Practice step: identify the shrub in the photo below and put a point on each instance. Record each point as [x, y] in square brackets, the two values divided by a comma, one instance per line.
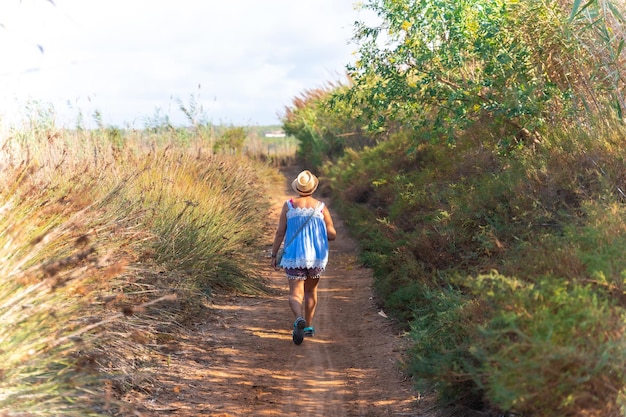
[550, 347]
[443, 328]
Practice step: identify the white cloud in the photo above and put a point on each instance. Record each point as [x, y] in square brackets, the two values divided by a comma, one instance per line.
[128, 58]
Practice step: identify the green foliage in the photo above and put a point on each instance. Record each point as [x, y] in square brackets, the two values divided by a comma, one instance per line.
[442, 65]
[598, 32]
[324, 128]
[492, 146]
[600, 245]
[231, 141]
[428, 214]
[115, 137]
[444, 328]
[551, 335]
[447, 64]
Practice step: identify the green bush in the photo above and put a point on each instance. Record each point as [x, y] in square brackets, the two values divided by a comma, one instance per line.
[444, 328]
[555, 337]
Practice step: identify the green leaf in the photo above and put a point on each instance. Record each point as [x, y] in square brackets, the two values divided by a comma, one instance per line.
[576, 11]
[616, 12]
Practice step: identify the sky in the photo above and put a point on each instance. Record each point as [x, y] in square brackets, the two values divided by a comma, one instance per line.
[237, 62]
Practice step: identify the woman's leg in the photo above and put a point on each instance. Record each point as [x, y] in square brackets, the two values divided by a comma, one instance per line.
[296, 297]
[310, 299]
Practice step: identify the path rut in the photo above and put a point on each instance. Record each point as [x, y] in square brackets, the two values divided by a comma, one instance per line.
[239, 359]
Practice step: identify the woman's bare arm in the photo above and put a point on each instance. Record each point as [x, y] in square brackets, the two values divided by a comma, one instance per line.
[281, 229]
[330, 227]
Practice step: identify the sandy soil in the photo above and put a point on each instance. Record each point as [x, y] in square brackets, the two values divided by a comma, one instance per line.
[239, 360]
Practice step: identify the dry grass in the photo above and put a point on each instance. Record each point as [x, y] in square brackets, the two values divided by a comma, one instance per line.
[106, 246]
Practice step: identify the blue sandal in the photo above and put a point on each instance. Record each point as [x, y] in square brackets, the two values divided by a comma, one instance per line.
[298, 330]
[309, 332]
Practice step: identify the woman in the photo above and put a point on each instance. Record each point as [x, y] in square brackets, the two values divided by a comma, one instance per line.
[306, 227]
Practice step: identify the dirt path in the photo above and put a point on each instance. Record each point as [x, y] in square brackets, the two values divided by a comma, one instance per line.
[240, 360]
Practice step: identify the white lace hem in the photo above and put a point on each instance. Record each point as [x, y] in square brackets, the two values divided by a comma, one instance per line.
[303, 264]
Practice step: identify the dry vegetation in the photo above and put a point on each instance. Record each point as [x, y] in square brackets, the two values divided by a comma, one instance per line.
[109, 241]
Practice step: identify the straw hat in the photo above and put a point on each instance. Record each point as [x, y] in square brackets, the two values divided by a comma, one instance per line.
[305, 184]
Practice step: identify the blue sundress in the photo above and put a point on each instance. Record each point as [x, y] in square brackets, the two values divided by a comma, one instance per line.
[309, 249]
